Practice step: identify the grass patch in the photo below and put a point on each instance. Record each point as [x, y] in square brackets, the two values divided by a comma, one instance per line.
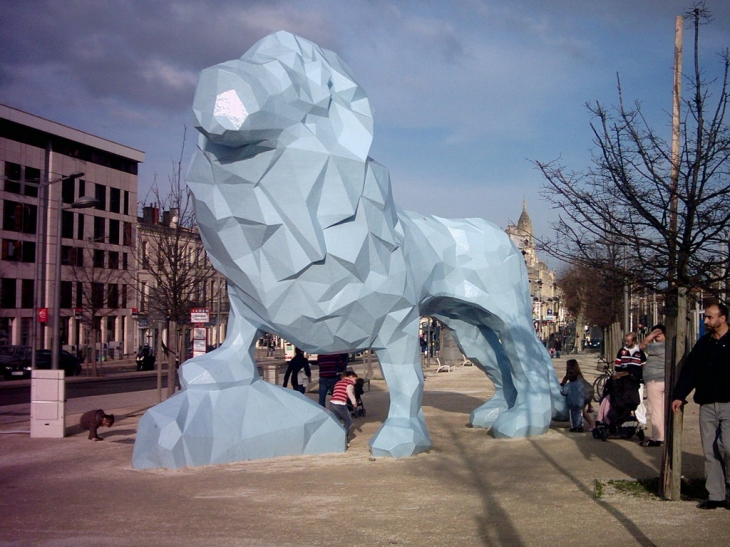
[691, 488]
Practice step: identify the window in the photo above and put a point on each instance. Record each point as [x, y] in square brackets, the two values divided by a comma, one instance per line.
[114, 200]
[18, 251]
[67, 224]
[126, 202]
[127, 234]
[143, 297]
[145, 256]
[82, 188]
[79, 295]
[26, 293]
[80, 228]
[113, 260]
[124, 296]
[112, 299]
[66, 294]
[72, 256]
[67, 190]
[124, 261]
[32, 175]
[11, 250]
[97, 295]
[19, 217]
[25, 331]
[32, 180]
[114, 232]
[8, 290]
[111, 323]
[99, 228]
[12, 177]
[27, 254]
[98, 258]
[100, 195]
[4, 331]
[66, 253]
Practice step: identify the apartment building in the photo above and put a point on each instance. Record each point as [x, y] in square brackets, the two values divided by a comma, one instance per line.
[46, 169]
[176, 278]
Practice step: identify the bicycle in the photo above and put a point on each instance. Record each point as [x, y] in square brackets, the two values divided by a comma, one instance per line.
[600, 382]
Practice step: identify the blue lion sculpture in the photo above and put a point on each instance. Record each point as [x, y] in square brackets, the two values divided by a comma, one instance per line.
[302, 223]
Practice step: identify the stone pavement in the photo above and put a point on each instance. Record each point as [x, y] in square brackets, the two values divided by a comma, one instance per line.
[469, 490]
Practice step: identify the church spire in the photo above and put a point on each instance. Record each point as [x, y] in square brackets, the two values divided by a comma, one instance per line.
[524, 224]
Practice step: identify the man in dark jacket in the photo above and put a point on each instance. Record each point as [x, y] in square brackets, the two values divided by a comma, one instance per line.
[707, 371]
[93, 420]
[330, 368]
[297, 363]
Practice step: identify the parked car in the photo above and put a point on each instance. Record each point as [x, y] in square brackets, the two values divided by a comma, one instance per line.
[16, 363]
[67, 361]
[145, 358]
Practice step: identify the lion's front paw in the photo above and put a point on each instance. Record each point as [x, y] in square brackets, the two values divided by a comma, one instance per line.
[261, 420]
[219, 369]
[401, 437]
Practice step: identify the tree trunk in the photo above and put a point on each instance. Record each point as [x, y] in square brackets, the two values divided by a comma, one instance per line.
[578, 331]
[671, 472]
[173, 356]
[158, 362]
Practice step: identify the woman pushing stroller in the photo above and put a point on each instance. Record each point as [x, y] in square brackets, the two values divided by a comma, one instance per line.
[622, 394]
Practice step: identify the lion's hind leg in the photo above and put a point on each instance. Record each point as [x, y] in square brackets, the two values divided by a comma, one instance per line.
[482, 346]
[533, 377]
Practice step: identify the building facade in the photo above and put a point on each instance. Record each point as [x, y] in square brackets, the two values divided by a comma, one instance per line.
[39, 201]
[548, 315]
[190, 287]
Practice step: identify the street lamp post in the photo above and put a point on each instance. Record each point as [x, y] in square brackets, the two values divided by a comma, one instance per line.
[84, 202]
[41, 253]
[47, 391]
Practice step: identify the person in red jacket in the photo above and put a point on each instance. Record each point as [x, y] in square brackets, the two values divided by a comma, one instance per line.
[344, 390]
[93, 420]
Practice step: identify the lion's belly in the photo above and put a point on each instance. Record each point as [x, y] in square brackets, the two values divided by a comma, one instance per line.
[328, 313]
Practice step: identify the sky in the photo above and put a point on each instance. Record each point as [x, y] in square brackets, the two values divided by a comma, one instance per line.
[467, 94]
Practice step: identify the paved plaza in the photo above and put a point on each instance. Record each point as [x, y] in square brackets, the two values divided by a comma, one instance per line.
[469, 490]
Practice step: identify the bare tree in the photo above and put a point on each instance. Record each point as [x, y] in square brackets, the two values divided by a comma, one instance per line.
[591, 295]
[666, 209]
[172, 258]
[101, 289]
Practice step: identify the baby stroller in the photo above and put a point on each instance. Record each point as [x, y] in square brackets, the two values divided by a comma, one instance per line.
[622, 413]
[359, 410]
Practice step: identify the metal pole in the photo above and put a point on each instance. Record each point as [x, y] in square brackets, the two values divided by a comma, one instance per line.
[56, 345]
[81, 203]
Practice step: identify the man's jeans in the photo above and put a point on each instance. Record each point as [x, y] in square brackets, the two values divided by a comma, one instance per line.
[715, 435]
[326, 385]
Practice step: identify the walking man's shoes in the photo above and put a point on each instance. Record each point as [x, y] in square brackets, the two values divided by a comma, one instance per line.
[712, 504]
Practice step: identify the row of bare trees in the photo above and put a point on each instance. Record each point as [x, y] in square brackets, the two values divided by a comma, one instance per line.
[652, 211]
[169, 257]
[182, 277]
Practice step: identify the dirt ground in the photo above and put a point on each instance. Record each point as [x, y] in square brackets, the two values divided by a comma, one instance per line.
[469, 490]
